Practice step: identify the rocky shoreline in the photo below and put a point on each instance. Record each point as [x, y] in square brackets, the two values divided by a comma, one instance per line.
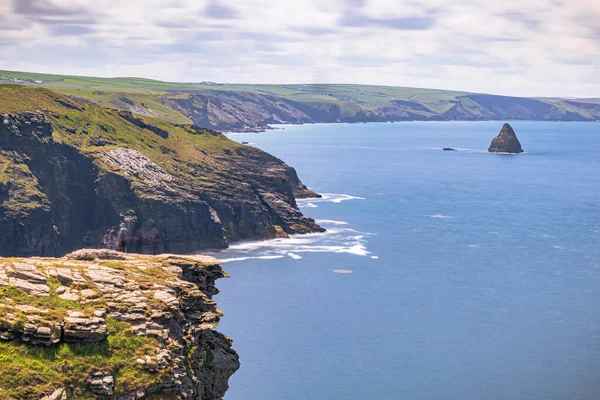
[101, 324]
[239, 111]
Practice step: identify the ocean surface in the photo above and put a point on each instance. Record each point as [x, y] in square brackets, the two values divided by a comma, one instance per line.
[444, 275]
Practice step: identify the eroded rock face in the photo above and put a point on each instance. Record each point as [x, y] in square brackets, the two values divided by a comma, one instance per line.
[253, 112]
[165, 298]
[506, 141]
[193, 189]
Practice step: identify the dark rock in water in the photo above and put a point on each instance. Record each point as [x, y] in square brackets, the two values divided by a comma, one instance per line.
[448, 149]
[506, 141]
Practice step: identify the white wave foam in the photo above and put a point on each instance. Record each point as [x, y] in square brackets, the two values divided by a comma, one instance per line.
[441, 216]
[329, 198]
[330, 222]
[338, 239]
[375, 257]
[357, 249]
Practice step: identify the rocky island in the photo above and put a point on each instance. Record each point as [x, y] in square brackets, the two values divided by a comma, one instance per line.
[101, 324]
[506, 141]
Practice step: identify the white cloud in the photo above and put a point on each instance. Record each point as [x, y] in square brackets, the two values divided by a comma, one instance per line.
[518, 47]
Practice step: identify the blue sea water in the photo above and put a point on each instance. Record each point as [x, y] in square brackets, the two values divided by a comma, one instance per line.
[473, 275]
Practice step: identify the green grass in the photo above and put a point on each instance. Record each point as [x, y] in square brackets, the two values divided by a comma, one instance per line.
[81, 125]
[22, 186]
[123, 93]
[150, 273]
[150, 102]
[26, 371]
[52, 302]
[108, 91]
[56, 307]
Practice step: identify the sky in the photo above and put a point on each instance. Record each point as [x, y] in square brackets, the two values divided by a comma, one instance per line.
[511, 47]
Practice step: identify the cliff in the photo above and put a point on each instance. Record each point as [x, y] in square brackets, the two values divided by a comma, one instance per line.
[98, 324]
[506, 141]
[234, 111]
[70, 170]
[247, 107]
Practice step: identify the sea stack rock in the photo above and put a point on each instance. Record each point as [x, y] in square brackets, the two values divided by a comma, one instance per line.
[506, 141]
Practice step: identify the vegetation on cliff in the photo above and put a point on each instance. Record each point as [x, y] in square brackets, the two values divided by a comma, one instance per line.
[69, 170]
[98, 324]
[239, 107]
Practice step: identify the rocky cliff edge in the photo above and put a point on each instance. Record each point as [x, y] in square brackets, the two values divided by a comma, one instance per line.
[70, 170]
[101, 324]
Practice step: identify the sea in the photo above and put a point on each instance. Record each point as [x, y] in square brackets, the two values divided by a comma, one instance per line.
[443, 275]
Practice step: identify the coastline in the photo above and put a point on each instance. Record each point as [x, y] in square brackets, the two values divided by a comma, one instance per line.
[283, 126]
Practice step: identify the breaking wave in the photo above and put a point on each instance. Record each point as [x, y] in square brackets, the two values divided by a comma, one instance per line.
[327, 198]
[308, 205]
[330, 222]
[338, 239]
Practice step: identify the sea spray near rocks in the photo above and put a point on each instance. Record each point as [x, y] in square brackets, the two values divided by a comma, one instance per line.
[339, 238]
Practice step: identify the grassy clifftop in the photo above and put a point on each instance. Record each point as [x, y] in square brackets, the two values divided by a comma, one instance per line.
[98, 324]
[243, 107]
[75, 168]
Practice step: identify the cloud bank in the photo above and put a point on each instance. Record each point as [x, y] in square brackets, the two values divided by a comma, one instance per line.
[525, 47]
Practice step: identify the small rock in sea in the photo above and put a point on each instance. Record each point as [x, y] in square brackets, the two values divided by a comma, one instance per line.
[448, 149]
[506, 141]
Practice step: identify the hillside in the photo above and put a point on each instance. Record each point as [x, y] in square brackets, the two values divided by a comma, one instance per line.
[239, 107]
[70, 170]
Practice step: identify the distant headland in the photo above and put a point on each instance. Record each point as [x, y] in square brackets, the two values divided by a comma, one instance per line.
[253, 108]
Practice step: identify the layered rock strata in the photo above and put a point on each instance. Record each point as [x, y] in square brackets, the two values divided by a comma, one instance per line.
[69, 171]
[102, 325]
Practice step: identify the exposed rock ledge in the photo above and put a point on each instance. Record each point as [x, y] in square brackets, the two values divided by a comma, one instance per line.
[101, 324]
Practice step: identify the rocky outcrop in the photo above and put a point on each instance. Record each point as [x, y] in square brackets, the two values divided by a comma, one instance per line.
[251, 112]
[126, 327]
[71, 171]
[506, 141]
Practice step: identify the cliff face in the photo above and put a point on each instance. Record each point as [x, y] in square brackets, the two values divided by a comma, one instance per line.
[98, 324]
[240, 111]
[69, 171]
[236, 111]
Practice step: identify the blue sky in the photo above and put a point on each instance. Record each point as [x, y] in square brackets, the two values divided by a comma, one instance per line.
[514, 47]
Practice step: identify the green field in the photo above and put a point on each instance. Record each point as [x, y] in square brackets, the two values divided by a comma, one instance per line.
[362, 94]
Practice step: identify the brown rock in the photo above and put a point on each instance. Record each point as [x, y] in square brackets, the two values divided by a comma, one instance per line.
[506, 141]
[166, 297]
